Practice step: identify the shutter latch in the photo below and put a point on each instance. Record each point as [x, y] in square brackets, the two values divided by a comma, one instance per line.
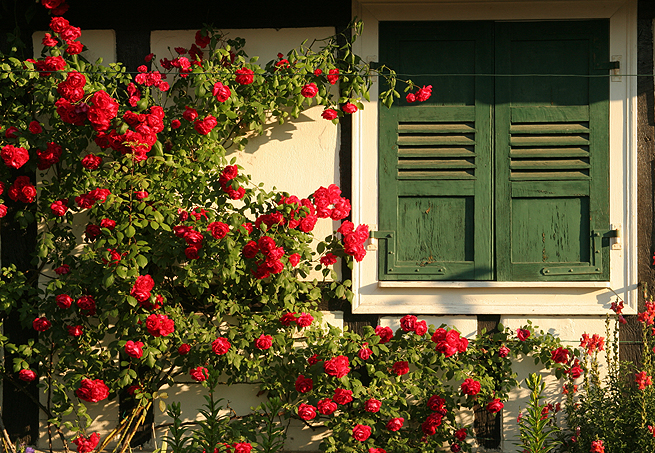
[615, 234]
[373, 237]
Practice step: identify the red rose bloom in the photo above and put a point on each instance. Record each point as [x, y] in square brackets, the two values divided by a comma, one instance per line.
[99, 194]
[92, 231]
[264, 342]
[385, 334]
[50, 64]
[329, 114]
[326, 406]
[522, 334]
[244, 76]
[349, 108]
[333, 76]
[221, 345]
[303, 384]
[22, 190]
[462, 344]
[287, 319]
[560, 355]
[184, 349]
[189, 114]
[328, 260]
[361, 432]
[221, 92]
[503, 351]
[202, 40]
[342, 396]
[470, 387]
[141, 195]
[58, 24]
[74, 47]
[421, 328]
[310, 90]
[64, 301]
[74, 331]
[191, 252]
[306, 411]
[365, 353]
[92, 390]
[159, 325]
[250, 250]
[449, 342]
[71, 33]
[460, 434]
[175, 124]
[294, 259]
[132, 389]
[41, 324]
[205, 126]
[35, 127]
[395, 424]
[11, 132]
[408, 323]
[87, 304]
[338, 366]
[87, 445]
[58, 208]
[72, 89]
[495, 406]
[437, 404]
[424, 93]
[134, 349]
[63, 269]
[401, 368]
[429, 426]
[377, 450]
[229, 173]
[372, 405]
[49, 41]
[14, 157]
[304, 320]
[218, 229]
[108, 223]
[142, 287]
[26, 375]
[3, 210]
[199, 373]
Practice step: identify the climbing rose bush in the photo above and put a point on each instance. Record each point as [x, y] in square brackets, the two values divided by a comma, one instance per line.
[159, 258]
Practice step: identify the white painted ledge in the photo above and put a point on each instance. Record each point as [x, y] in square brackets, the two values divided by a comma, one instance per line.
[486, 284]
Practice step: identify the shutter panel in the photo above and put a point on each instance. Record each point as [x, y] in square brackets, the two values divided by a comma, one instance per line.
[435, 157]
[552, 150]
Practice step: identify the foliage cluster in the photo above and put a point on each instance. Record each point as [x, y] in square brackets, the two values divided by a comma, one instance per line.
[613, 411]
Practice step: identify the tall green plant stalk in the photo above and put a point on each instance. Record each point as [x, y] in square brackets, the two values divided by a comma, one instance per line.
[538, 432]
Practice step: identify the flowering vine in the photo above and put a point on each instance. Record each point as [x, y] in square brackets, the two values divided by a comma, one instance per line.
[185, 266]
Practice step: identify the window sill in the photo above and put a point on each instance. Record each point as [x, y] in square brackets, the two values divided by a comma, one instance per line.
[488, 284]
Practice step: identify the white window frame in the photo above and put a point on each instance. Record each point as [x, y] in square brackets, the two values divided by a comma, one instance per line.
[491, 297]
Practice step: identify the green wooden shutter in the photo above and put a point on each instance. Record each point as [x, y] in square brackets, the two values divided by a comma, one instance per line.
[551, 151]
[435, 157]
